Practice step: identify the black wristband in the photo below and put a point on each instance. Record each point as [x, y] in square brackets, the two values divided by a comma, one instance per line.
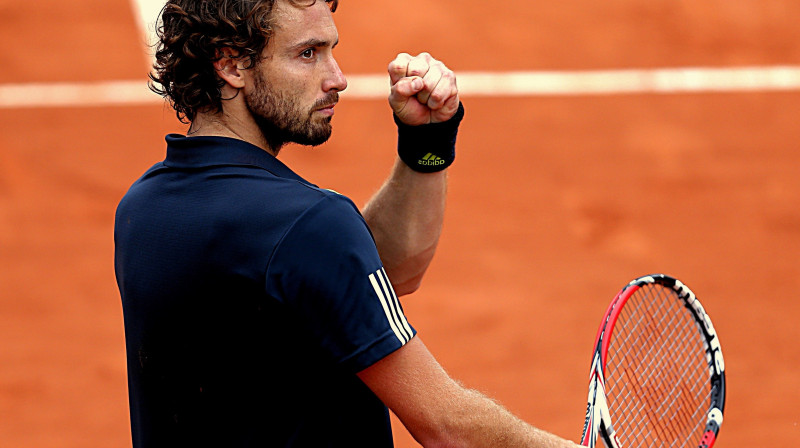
[428, 148]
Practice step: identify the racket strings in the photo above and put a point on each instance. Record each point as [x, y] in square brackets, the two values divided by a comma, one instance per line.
[657, 373]
[667, 391]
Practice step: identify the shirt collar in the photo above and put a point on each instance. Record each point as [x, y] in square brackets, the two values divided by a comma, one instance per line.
[206, 151]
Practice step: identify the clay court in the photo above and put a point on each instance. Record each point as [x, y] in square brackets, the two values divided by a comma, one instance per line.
[555, 201]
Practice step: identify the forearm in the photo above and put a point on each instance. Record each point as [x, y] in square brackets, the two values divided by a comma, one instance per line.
[478, 421]
[405, 217]
[439, 412]
[407, 213]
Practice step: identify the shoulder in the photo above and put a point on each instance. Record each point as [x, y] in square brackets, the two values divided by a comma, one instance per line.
[332, 222]
[329, 239]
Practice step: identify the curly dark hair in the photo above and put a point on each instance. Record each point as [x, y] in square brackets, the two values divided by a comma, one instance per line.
[191, 35]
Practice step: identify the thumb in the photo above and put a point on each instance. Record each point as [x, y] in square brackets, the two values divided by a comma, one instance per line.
[408, 87]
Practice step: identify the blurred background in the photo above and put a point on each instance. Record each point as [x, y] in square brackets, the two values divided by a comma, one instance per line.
[558, 197]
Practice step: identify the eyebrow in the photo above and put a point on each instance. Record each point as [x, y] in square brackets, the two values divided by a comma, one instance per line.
[316, 43]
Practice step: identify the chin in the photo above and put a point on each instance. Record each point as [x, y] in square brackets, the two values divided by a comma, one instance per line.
[314, 139]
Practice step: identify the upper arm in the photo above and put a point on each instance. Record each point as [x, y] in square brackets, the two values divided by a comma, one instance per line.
[415, 387]
[327, 274]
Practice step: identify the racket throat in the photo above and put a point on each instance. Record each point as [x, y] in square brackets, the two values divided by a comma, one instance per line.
[609, 437]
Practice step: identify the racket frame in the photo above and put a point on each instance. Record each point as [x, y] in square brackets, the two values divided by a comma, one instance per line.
[597, 424]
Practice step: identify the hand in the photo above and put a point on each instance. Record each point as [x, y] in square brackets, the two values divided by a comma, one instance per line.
[423, 89]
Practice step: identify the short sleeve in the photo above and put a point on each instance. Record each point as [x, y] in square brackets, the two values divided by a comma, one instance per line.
[327, 271]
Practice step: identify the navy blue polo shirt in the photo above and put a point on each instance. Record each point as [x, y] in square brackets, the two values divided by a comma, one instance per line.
[251, 298]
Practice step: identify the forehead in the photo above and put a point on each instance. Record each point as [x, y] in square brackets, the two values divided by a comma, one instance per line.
[295, 24]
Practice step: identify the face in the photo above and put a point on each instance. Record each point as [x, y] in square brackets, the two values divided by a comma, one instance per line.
[293, 89]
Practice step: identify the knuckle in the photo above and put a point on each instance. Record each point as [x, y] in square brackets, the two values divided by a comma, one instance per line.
[438, 97]
[400, 62]
[415, 70]
[449, 78]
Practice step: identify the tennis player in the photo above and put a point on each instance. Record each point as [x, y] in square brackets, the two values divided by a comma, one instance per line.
[261, 310]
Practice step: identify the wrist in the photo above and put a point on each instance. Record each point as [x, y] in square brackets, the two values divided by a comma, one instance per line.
[429, 148]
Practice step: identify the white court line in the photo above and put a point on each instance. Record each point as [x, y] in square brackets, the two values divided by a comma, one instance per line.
[605, 82]
[532, 83]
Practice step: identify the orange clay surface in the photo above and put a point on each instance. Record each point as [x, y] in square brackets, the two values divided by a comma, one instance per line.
[554, 202]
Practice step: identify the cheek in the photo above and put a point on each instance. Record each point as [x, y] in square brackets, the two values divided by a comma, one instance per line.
[297, 86]
[306, 90]
[300, 80]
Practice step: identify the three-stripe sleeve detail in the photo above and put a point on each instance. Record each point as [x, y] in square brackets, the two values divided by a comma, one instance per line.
[391, 306]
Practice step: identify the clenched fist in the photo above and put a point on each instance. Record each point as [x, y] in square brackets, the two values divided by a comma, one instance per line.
[423, 89]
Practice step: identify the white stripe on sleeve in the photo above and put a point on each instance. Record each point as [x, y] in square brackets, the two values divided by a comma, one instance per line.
[388, 285]
[388, 308]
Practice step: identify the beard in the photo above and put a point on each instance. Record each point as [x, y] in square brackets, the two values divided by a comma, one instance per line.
[283, 120]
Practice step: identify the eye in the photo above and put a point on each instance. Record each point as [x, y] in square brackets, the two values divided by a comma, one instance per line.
[308, 53]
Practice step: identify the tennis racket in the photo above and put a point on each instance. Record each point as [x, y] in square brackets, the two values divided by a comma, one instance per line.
[658, 376]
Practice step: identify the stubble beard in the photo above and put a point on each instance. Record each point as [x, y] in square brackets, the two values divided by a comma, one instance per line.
[283, 120]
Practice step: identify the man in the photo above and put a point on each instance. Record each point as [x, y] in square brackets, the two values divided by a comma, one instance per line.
[258, 311]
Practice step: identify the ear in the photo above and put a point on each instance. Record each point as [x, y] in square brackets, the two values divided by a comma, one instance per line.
[229, 67]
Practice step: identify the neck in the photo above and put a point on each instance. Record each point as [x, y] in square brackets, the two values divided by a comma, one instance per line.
[240, 126]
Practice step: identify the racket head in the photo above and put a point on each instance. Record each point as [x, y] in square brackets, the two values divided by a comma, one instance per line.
[657, 372]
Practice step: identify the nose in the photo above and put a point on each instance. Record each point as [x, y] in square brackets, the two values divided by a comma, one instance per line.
[335, 81]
